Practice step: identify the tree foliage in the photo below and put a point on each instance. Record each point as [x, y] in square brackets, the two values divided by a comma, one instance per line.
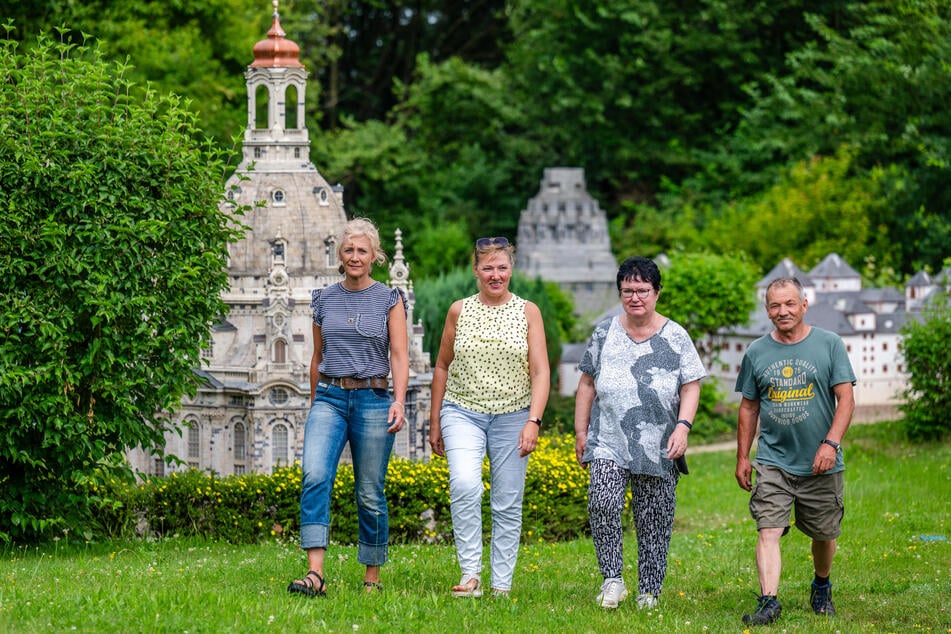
[925, 349]
[112, 256]
[633, 90]
[198, 49]
[358, 51]
[451, 158]
[447, 111]
[707, 292]
[875, 79]
[818, 207]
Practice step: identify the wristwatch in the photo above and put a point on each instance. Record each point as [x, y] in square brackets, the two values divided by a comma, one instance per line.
[832, 444]
[537, 421]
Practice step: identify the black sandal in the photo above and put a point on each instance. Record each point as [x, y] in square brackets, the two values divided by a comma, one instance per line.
[307, 587]
[371, 587]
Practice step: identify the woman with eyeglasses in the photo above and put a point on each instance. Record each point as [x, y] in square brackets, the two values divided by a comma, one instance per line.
[636, 402]
[490, 386]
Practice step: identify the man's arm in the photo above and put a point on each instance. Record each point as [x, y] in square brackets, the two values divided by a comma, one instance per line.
[745, 433]
[841, 419]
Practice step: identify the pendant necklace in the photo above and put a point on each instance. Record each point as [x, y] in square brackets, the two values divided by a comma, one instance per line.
[352, 314]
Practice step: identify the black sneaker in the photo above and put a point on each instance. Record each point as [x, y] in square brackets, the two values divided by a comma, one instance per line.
[821, 599]
[767, 611]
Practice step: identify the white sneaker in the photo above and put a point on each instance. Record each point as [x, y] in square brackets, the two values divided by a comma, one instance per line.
[612, 593]
[646, 600]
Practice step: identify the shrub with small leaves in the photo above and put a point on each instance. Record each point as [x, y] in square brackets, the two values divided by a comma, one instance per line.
[112, 255]
[254, 507]
[925, 349]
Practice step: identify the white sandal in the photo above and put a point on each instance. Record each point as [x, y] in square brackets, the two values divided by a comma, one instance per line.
[467, 589]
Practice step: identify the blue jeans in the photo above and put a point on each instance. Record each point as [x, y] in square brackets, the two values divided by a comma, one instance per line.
[468, 436]
[338, 416]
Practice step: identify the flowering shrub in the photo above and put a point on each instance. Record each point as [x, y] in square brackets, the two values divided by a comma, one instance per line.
[253, 507]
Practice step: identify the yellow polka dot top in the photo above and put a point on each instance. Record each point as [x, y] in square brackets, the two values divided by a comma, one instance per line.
[489, 370]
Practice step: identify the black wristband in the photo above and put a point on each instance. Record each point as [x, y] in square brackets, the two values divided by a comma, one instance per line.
[685, 422]
[537, 421]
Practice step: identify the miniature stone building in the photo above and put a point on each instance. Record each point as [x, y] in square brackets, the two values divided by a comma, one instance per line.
[249, 412]
[563, 238]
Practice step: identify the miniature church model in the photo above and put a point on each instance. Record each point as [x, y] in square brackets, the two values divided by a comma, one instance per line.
[563, 238]
[250, 410]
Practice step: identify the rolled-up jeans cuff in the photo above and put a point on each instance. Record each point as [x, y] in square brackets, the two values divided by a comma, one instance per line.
[370, 555]
[314, 536]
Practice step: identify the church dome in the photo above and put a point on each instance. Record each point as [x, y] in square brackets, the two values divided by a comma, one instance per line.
[276, 51]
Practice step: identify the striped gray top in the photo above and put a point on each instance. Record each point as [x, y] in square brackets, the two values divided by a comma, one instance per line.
[354, 329]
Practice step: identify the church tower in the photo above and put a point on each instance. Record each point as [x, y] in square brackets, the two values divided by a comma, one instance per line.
[250, 410]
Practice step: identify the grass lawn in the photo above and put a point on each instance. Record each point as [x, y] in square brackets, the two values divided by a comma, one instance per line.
[892, 571]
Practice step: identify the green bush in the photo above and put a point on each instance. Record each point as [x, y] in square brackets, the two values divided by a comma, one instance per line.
[254, 507]
[925, 349]
[112, 254]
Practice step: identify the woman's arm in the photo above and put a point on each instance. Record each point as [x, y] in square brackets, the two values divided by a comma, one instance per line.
[584, 399]
[399, 364]
[540, 375]
[315, 360]
[441, 375]
[689, 402]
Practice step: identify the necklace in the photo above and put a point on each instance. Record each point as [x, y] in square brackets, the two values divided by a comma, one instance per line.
[352, 314]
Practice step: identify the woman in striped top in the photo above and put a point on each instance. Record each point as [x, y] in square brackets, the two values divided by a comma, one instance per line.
[360, 337]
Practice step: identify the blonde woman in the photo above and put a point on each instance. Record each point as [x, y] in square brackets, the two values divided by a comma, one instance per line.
[490, 387]
[360, 337]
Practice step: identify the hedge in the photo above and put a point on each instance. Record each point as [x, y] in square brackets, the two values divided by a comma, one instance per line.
[254, 507]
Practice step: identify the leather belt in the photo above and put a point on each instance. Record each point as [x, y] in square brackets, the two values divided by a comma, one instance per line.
[353, 383]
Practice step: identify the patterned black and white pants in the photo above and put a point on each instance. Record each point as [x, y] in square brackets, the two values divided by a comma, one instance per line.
[653, 502]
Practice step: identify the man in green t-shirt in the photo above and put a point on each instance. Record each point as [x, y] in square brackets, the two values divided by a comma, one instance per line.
[797, 381]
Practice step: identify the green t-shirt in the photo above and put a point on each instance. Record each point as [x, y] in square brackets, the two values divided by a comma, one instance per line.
[793, 383]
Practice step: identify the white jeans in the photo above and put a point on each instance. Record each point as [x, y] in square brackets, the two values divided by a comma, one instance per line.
[468, 436]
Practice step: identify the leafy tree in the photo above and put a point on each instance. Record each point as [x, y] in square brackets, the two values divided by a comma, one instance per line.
[113, 260]
[657, 229]
[818, 207]
[440, 247]
[197, 49]
[925, 348]
[569, 326]
[632, 91]
[451, 157]
[358, 51]
[876, 79]
[706, 293]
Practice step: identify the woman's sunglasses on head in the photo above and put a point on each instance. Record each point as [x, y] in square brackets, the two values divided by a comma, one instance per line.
[485, 243]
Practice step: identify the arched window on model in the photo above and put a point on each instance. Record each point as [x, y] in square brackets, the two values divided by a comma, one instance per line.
[158, 464]
[290, 108]
[330, 250]
[194, 444]
[279, 445]
[261, 108]
[240, 448]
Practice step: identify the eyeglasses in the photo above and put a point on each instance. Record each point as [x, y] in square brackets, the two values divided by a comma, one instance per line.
[642, 293]
[485, 243]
